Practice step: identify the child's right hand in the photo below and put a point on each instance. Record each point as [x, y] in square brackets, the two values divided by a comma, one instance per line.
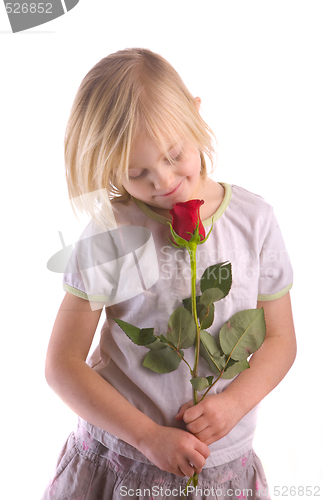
[175, 450]
[90, 395]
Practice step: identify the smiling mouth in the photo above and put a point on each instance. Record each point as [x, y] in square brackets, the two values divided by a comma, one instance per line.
[173, 190]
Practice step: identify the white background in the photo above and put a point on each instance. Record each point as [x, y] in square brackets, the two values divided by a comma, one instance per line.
[257, 67]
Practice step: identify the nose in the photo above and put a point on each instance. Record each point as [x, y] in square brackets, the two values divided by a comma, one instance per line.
[163, 179]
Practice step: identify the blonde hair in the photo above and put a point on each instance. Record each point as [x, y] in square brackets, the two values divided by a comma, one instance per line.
[123, 94]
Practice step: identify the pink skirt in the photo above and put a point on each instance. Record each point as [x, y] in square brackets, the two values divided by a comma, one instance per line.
[87, 470]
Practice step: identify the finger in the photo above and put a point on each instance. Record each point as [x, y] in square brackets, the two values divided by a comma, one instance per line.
[185, 469]
[203, 450]
[198, 460]
[206, 436]
[197, 425]
[180, 473]
[183, 408]
[192, 413]
[179, 415]
[188, 469]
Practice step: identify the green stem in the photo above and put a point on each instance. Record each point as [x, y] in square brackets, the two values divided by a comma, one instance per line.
[185, 361]
[193, 264]
[186, 488]
[210, 387]
[221, 374]
[182, 357]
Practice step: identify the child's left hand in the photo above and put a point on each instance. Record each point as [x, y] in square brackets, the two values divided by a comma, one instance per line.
[215, 416]
[211, 419]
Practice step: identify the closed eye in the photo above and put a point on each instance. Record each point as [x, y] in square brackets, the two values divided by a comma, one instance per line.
[137, 177]
[175, 159]
[169, 160]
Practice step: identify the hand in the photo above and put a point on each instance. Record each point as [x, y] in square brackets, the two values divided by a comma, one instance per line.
[211, 419]
[176, 451]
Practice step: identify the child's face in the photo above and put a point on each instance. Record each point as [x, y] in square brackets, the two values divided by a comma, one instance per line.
[159, 183]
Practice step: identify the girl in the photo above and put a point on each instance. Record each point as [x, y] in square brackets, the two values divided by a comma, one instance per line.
[135, 145]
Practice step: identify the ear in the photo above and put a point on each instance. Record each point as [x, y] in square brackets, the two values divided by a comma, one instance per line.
[197, 103]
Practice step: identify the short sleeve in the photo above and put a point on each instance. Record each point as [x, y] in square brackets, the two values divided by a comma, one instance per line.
[111, 266]
[276, 274]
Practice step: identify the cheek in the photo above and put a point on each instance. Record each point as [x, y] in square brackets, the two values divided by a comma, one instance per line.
[193, 167]
[136, 189]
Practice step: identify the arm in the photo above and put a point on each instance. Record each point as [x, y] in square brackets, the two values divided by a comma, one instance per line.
[217, 414]
[95, 400]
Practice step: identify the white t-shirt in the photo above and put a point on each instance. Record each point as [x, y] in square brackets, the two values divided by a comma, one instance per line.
[139, 277]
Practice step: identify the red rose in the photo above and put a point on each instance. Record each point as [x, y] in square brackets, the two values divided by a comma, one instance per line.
[185, 217]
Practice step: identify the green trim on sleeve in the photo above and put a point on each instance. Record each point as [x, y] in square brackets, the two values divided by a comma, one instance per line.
[274, 296]
[83, 295]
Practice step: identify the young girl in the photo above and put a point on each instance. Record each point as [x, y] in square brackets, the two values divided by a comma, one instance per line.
[136, 145]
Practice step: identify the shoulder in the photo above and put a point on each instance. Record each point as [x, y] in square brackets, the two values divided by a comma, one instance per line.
[250, 205]
[249, 199]
[249, 212]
